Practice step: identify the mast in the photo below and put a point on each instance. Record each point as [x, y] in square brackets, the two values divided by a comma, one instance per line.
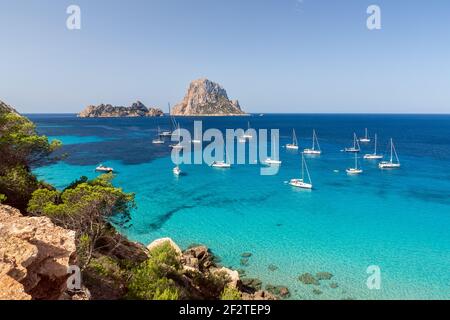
[375, 144]
[357, 143]
[391, 149]
[317, 140]
[303, 167]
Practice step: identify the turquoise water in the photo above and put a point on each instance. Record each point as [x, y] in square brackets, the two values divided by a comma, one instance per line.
[398, 220]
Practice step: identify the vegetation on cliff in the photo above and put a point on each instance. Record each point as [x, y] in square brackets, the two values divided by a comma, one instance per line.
[20, 148]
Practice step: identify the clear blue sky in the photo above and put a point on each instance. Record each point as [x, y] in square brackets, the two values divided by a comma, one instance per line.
[272, 55]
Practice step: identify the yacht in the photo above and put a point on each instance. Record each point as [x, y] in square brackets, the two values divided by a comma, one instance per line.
[177, 171]
[356, 148]
[374, 155]
[366, 138]
[158, 139]
[248, 134]
[355, 170]
[300, 183]
[102, 168]
[314, 150]
[391, 164]
[294, 144]
[270, 161]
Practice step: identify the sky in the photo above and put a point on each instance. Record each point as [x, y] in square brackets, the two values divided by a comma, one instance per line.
[272, 55]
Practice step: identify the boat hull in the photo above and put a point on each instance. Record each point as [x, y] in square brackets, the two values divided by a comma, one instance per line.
[292, 147]
[373, 156]
[354, 171]
[388, 165]
[298, 183]
[313, 152]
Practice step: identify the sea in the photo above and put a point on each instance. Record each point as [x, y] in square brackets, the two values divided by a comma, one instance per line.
[383, 234]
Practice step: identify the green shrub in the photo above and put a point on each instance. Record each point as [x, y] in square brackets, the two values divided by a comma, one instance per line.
[2, 198]
[153, 279]
[230, 294]
[88, 208]
[20, 148]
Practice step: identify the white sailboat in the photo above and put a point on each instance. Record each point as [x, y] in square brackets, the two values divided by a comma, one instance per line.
[354, 170]
[374, 155]
[313, 150]
[300, 183]
[356, 147]
[222, 164]
[294, 144]
[270, 162]
[366, 138]
[158, 139]
[248, 134]
[390, 164]
[177, 171]
[102, 168]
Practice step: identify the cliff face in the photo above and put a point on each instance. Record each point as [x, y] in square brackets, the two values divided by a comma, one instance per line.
[34, 256]
[6, 108]
[137, 109]
[205, 97]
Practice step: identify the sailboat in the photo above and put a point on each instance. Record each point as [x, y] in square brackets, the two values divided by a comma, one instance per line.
[102, 168]
[313, 150]
[366, 138]
[390, 164]
[167, 133]
[374, 155]
[356, 147]
[294, 144]
[355, 170]
[158, 139]
[300, 183]
[177, 171]
[248, 134]
[222, 164]
[176, 136]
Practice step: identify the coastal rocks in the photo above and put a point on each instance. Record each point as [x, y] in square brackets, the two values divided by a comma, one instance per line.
[272, 267]
[34, 256]
[324, 276]
[137, 109]
[278, 291]
[159, 242]
[308, 279]
[6, 108]
[206, 98]
[252, 284]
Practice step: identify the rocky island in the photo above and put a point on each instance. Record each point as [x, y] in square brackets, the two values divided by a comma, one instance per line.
[207, 98]
[137, 109]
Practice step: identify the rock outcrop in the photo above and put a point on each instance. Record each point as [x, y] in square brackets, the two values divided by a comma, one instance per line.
[6, 108]
[34, 256]
[137, 109]
[206, 98]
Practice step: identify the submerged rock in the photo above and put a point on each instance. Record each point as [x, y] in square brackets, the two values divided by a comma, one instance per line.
[252, 283]
[334, 285]
[244, 262]
[324, 275]
[317, 291]
[272, 267]
[308, 278]
[246, 255]
[279, 291]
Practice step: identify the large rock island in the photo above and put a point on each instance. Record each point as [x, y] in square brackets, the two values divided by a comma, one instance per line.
[207, 98]
[137, 109]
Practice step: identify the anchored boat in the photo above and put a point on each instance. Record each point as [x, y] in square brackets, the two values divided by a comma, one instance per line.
[391, 164]
[300, 183]
[314, 150]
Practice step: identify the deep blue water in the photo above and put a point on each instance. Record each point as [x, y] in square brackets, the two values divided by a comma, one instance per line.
[398, 220]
